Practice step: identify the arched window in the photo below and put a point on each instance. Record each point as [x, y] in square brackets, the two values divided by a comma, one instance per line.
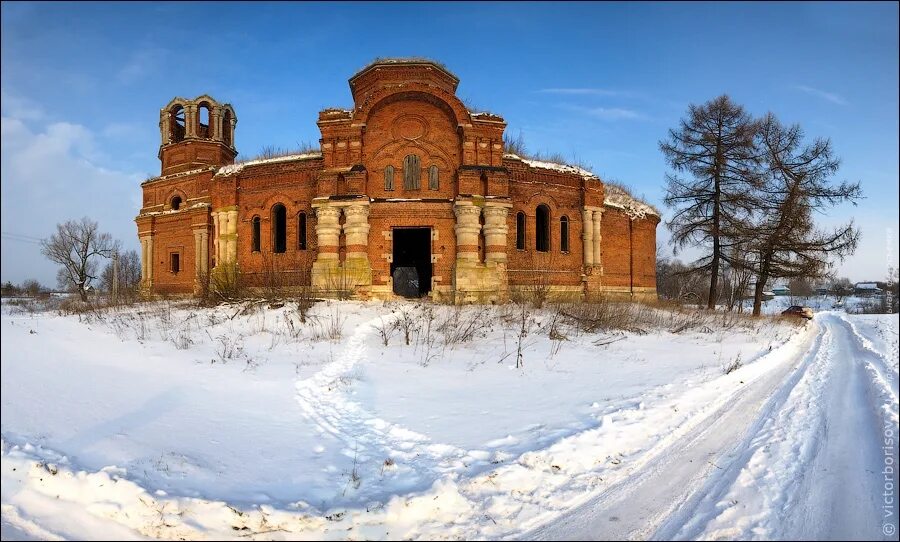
[389, 178]
[176, 203]
[301, 231]
[256, 235]
[279, 228]
[433, 178]
[542, 227]
[412, 173]
[176, 123]
[564, 234]
[520, 230]
[203, 129]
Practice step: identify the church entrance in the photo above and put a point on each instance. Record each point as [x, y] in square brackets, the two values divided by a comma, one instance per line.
[411, 268]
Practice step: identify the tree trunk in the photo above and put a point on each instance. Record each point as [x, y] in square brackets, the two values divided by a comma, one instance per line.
[83, 293]
[758, 294]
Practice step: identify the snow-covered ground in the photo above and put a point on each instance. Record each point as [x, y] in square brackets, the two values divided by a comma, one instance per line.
[165, 420]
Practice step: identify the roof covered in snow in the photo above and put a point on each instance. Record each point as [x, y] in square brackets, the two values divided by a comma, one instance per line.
[564, 168]
[234, 169]
[619, 198]
[867, 286]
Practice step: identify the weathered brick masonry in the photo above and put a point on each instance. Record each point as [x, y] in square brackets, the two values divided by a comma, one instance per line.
[409, 184]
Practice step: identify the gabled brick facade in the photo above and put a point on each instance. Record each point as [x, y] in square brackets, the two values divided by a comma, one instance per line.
[409, 183]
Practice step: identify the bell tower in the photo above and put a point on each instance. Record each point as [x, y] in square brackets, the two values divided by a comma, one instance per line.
[196, 133]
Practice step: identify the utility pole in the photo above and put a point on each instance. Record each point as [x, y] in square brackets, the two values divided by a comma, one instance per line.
[115, 278]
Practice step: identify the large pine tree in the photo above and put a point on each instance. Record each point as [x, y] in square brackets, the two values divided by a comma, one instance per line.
[714, 147]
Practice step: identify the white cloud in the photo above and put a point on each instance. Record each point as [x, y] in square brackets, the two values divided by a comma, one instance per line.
[828, 96]
[52, 174]
[584, 91]
[19, 107]
[607, 113]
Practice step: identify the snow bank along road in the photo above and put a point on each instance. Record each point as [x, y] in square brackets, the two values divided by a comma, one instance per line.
[808, 451]
[799, 442]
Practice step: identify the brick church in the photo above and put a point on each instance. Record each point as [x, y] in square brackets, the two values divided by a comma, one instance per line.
[410, 194]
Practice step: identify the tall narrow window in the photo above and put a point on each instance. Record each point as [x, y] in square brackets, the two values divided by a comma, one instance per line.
[301, 231]
[389, 178]
[256, 235]
[279, 228]
[203, 125]
[175, 264]
[520, 230]
[433, 178]
[176, 123]
[412, 173]
[564, 234]
[176, 203]
[542, 227]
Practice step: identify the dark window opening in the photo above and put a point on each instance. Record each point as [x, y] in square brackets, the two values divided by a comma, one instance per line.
[256, 235]
[279, 228]
[564, 234]
[520, 230]
[389, 178]
[411, 265]
[176, 203]
[412, 173]
[203, 121]
[433, 178]
[174, 263]
[226, 127]
[542, 227]
[301, 231]
[176, 123]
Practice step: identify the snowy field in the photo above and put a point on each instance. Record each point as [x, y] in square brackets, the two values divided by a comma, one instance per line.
[165, 420]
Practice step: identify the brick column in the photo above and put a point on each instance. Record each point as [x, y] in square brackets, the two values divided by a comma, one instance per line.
[587, 236]
[495, 231]
[164, 127]
[328, 232]
[231, 254]
[147, 261]
[356, 228]
[598, 260]
[467, 230]
[190, 120]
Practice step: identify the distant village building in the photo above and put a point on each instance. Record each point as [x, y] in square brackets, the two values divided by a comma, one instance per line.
[408, 194]
[781, 291]
[867, 289]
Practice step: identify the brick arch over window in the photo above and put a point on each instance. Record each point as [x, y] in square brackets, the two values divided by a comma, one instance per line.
[452, 105]
[177, 123]
[176, 197]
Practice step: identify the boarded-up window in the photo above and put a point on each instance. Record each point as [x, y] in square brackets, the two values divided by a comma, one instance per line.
[433, 178]
[564, 234]
[520, 230]
[389, 178]
[412, 172]
[255, 234]
[301, 231]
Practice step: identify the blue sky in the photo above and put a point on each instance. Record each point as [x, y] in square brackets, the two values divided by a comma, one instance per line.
[82, 85]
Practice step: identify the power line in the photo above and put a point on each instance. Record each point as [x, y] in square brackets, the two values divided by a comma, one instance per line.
[20, 238]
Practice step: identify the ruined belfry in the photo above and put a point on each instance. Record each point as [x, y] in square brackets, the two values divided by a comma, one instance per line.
[409, 194]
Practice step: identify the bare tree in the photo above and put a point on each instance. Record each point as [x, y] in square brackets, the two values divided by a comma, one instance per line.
[75, 246]
[129, 275]
[714, 145]
[786, 239]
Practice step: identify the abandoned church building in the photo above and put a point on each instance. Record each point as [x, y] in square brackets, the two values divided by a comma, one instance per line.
[409, 194]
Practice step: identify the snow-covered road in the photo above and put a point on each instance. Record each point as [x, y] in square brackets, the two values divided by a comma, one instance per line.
[807, 452]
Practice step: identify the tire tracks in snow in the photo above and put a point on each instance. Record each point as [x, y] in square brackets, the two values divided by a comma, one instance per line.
[808, 468]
